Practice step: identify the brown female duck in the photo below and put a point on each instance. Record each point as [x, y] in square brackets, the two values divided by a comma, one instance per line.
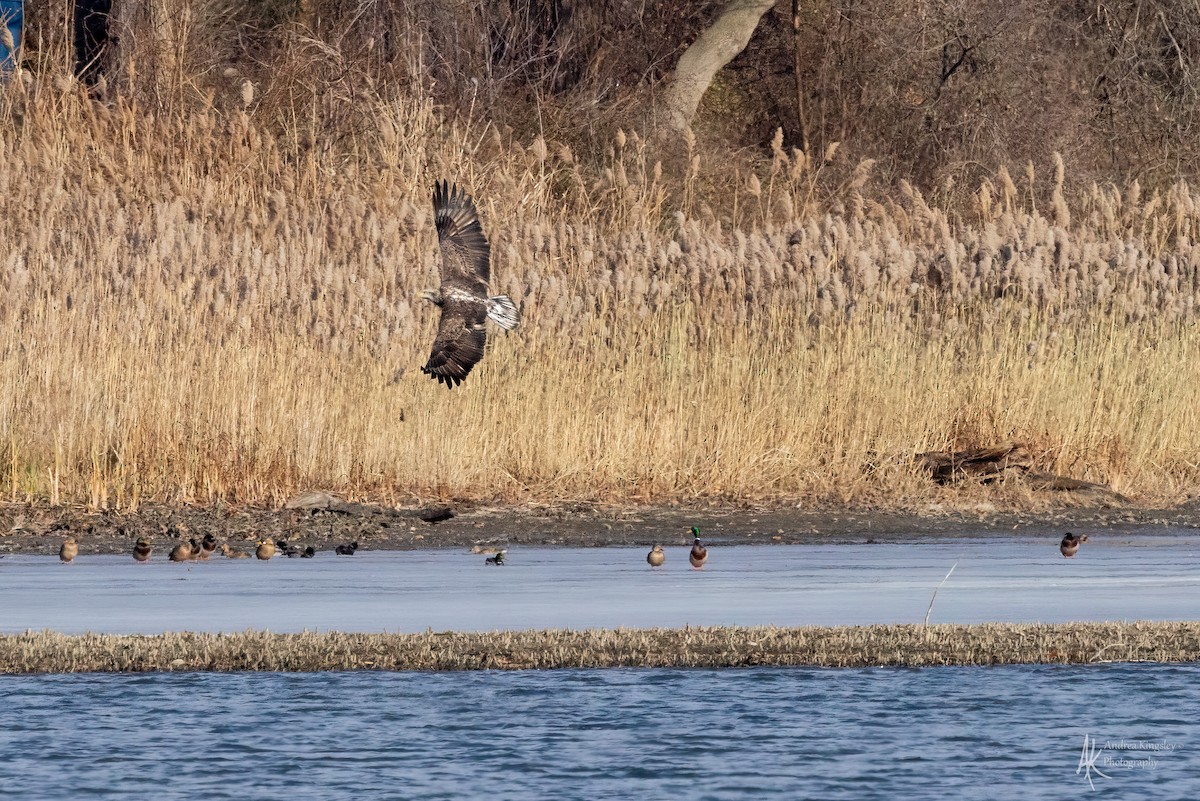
[232, 554]
[184, 551]
[69, 550]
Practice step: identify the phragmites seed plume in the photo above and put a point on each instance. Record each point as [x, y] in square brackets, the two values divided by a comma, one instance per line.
[688, 333]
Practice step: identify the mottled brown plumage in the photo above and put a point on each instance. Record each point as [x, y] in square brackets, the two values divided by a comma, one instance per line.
[232, 554]
[182, 552]
[69, 550]
[463, 296]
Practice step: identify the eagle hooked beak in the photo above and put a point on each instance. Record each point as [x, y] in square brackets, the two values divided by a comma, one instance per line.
[431, 296]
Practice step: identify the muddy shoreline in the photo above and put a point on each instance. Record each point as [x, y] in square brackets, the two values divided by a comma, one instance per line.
[41, 529]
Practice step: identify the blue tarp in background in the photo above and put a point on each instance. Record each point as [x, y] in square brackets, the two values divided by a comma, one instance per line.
[10, 16]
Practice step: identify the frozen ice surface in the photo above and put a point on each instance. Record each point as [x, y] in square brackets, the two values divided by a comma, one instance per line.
[1142, 577]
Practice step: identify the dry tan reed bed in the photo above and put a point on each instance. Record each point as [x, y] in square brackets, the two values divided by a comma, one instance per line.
[843, 646]
[192, 310]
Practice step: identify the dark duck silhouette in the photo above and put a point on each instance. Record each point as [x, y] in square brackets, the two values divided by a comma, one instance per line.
[208, 546]
[1070, 544]
[141, 551]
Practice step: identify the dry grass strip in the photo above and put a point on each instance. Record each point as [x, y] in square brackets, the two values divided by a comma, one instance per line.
[194, 307]
[841, 646]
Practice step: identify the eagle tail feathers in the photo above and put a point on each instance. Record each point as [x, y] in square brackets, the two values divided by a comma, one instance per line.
[503, 312]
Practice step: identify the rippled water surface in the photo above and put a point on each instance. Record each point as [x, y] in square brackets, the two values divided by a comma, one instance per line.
[1113, 578]
[963, 733]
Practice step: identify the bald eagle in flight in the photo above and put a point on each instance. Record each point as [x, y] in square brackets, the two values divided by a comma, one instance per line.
[463, 296]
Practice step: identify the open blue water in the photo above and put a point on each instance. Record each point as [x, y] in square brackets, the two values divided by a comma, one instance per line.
[884, 733]
[970, 733]
[1150, 577]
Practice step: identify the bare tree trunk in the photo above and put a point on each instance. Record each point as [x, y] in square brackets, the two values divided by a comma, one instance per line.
[704, 58]
[801, 117]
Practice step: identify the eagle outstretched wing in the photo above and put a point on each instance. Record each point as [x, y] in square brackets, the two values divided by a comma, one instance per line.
[466, 255]
[465, 269]
[459, 342]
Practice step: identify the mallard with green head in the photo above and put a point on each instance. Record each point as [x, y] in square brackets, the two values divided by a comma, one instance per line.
[657, 556]
[498, 559]
[699, 554]
[141, 551]
[265, 550]
[1070, 544]
[69, 550]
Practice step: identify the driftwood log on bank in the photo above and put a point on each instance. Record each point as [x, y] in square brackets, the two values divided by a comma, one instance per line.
[1004, 461]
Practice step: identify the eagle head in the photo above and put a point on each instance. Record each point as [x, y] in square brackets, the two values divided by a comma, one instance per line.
[431, 295]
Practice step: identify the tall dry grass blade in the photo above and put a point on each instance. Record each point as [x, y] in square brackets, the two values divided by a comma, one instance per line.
[933, 597]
